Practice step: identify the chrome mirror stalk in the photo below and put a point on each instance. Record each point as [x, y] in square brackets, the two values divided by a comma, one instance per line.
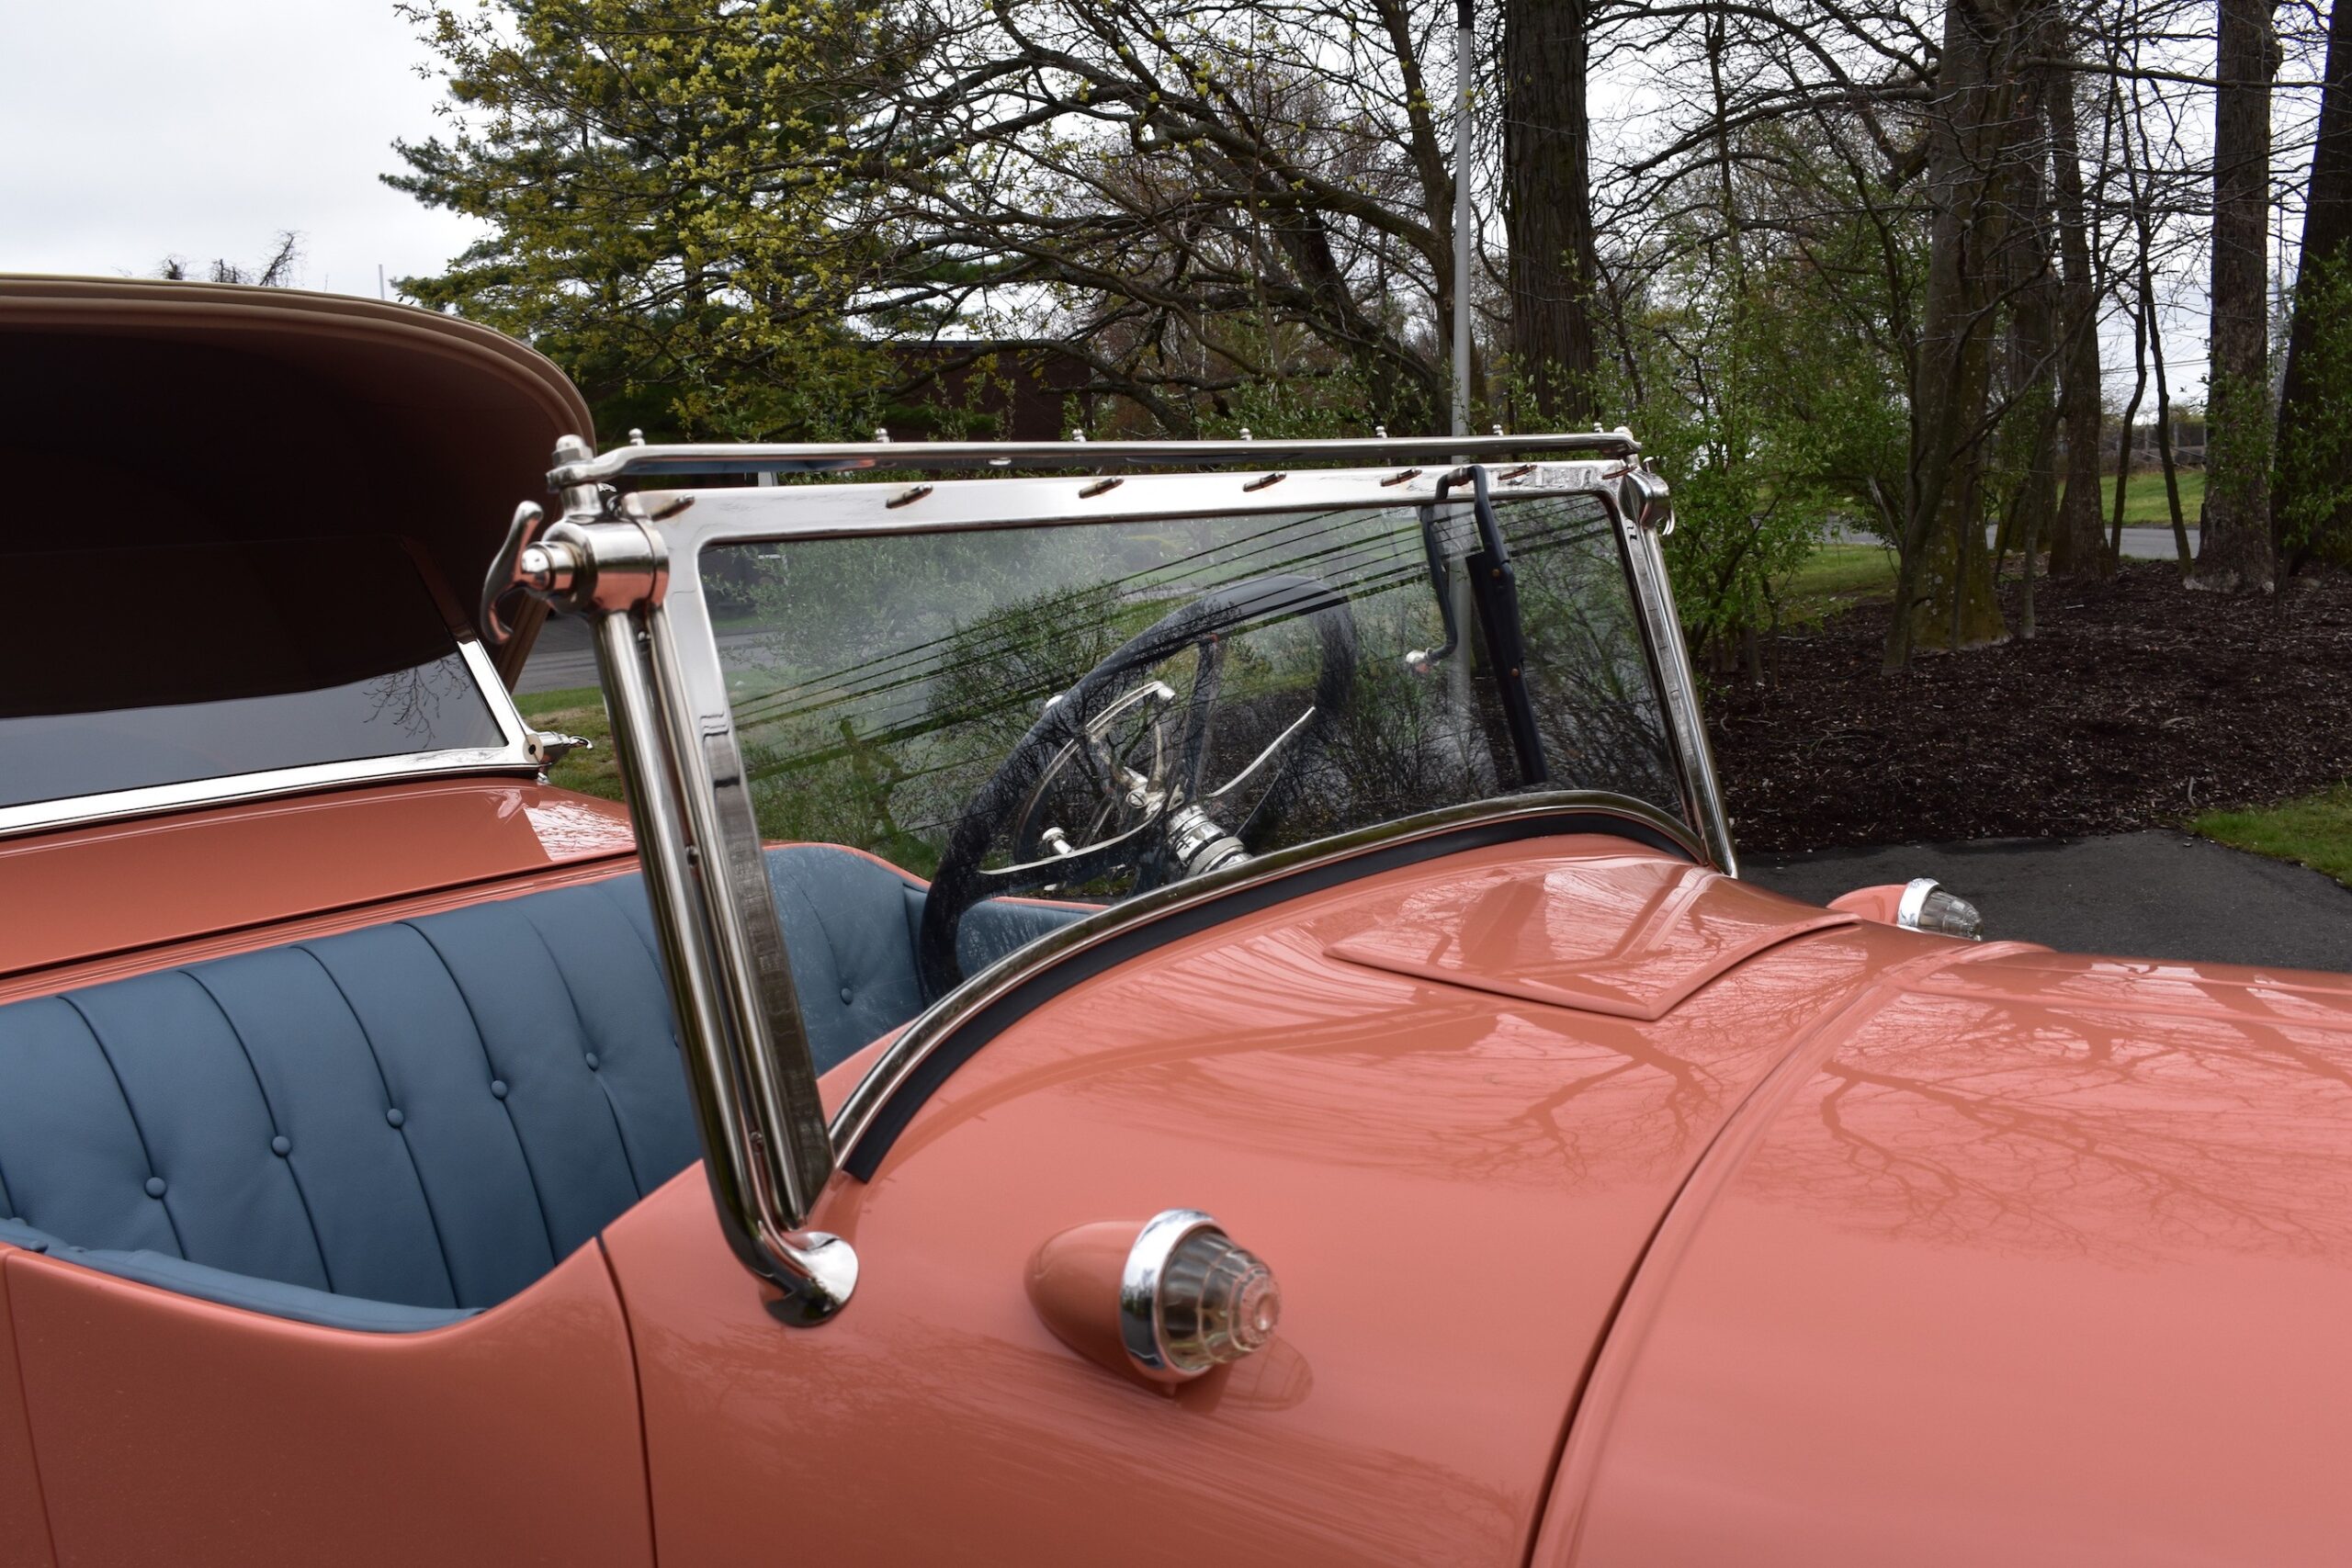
[766, 1149]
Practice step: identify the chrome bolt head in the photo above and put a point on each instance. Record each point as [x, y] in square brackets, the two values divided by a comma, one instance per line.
[547, 569]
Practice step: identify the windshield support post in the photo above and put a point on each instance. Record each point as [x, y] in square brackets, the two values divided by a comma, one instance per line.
[1642, 507]
[768, 1153]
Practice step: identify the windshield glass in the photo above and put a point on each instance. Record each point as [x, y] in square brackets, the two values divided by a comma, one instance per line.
[215, 660]
[1086, 711]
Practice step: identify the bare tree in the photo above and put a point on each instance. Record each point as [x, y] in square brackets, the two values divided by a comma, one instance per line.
[1547, 206]
[1191, 203]
[277, 272]
[1944, 589]
[2074, 546]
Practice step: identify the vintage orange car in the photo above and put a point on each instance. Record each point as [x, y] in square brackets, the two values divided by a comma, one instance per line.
[1163, 1002]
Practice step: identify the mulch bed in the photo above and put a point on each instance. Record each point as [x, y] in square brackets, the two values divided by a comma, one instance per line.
[2138, 704]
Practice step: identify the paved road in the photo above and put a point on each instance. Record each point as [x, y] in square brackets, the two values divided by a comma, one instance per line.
[2154, 544]
[2153, 895]
[2139, 543]
[562, 659]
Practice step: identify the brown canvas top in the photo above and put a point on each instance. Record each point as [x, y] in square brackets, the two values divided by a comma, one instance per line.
[139, 410]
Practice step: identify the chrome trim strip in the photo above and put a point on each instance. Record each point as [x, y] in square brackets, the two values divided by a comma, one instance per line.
[816, 457]
[690, 520]
[513, 757]
[931, 1028]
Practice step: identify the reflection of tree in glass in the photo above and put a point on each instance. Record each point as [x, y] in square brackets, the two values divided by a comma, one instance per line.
[1589, 681]
[410, 700]
[882, 682]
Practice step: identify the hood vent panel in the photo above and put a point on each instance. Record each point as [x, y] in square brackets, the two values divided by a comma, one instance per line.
[1627, 936]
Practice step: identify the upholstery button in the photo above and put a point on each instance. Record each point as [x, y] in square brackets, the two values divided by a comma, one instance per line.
[498, 1087]
[281, 1145]
[591, 1061]
[154, 1187]
[394, 1116]
[845, 996]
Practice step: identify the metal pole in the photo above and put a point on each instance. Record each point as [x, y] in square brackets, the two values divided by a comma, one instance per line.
[1457, 668]
[1465, 19]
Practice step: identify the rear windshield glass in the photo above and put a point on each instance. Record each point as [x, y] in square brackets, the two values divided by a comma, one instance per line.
[127, 669]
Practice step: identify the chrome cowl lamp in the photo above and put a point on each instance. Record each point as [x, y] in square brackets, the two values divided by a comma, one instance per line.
[1191, 1300]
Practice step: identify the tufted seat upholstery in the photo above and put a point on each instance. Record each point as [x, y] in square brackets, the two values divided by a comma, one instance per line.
[394, 1126]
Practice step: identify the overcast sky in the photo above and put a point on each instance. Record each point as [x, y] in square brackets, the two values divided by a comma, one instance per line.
[134, 129]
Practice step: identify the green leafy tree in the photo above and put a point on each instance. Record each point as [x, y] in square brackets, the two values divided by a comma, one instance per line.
[1760, 381]
[669, 215]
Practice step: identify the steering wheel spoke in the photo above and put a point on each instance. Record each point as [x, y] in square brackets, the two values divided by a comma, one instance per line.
[1110, 782]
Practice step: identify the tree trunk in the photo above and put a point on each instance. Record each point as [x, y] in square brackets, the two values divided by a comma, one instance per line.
[2234, 553]
[2327, 243]
[2144, 224]
[2164, 420]
[2123, 448]
[1547, 206]
[1944, 586]
[2034, 346]
[2075, 547]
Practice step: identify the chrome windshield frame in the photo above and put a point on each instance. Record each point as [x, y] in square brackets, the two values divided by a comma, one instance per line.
[632, 562]
[511, 755]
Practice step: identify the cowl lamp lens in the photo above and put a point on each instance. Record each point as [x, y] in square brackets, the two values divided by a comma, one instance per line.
[1928, 906]
[1191, 1300]
[1217, 1304]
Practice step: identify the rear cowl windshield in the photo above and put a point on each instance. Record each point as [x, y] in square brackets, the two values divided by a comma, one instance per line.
[132, 668]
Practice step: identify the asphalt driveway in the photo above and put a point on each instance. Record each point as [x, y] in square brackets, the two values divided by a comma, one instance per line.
[2151, 895]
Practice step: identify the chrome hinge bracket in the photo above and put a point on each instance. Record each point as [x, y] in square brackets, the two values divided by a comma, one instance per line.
[601, 555]
[1646, 500]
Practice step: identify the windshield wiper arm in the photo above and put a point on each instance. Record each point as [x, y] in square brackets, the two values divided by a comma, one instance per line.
[1422, 661]
[1495, 585]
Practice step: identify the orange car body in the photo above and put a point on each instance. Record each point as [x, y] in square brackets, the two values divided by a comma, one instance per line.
[1755, 1233]
[1624, 1212]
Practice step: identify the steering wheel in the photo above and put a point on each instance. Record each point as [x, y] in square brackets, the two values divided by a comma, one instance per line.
[1110, 779]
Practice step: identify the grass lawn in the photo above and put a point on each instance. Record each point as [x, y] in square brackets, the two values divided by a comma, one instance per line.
[2143, 503]
[2315, 831]
[578, 711]
[1835, 578]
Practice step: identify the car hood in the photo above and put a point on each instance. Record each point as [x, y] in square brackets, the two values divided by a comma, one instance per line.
[1814, 1241]
[2033, 1257]
[201, 410]
[1447, 1101]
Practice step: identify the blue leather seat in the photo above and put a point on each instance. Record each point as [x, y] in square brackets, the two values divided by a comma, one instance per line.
[396, 1126]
